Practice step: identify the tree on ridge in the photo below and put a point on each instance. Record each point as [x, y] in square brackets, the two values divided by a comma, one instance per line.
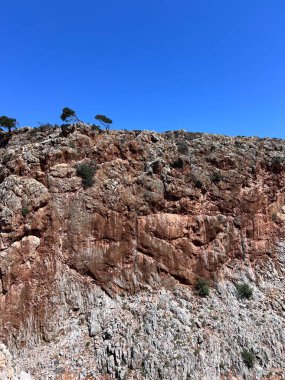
[69, 115]
[8, 123]
[105, 121]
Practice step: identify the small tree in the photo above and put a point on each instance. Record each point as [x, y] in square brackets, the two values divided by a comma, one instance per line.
[69, 115]
[105, 121]
[8, 123]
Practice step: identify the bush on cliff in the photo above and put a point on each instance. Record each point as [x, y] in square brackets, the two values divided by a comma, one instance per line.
[43, 127]
[25, 211]
[216, 177]
[182, 147]
[202, 287]
[86, 172]
[244, 291]
[248, 358]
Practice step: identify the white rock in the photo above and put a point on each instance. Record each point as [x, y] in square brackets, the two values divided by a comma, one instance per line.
[24, 376]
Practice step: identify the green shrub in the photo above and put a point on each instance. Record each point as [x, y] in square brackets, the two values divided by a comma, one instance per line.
[182, 147]
[43, 127]
[25, 211]
[198, 184]
[202, 287]
[248, 358]
[95, 128]
[277, 160]
[86, 172]
[244, 290]
[216, 177]
[177, 164]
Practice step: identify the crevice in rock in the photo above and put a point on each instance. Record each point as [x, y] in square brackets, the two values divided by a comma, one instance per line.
[4, 290]
[198, 243]
[181, 279]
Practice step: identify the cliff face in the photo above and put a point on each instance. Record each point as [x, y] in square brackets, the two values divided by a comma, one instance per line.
[98, 282]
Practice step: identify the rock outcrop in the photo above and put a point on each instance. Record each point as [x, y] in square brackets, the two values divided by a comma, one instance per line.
[99, 282]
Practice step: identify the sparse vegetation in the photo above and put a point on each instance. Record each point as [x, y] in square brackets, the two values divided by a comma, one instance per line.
[248, 358]
[178, 164]
[198, 184]
[43, 127]
[182, 147]
[95, 127]
[276, 164]
[216, 177]
[244, 291]
[25, 211]
[86, 172]
[202, 287]
[277, 160]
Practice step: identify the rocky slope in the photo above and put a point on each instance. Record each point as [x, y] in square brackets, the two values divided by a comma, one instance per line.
[99, 282]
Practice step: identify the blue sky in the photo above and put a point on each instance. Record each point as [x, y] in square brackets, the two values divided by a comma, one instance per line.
[202, 65]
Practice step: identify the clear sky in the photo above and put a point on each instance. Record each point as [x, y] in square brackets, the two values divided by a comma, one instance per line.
[202, 65]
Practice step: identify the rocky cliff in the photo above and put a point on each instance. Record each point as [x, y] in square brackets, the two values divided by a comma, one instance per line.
[98, 280]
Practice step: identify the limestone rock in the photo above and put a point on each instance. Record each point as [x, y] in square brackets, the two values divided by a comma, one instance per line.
[99, 282]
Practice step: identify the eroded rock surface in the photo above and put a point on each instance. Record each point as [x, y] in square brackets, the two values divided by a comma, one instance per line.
[98, 282]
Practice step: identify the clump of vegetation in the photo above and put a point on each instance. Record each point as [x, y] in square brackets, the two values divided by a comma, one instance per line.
[248, 358]
[216, 177]
[178, 164]
[198, 184]
[202, 287]
[105, 121]
[25, 211]
[46, 126]
[244, 291]
[66, 129]
[43, 127]
[95, 128]
[86, 172]
[277, 160]
[4, 138]
[276, 164]
[156, 167]
[182, 147]
[8, 123]
[193, 135]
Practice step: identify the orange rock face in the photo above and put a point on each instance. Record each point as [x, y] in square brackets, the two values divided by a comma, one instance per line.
[175, 205]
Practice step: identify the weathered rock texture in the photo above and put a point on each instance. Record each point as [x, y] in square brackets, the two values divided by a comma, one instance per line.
[98, 282]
